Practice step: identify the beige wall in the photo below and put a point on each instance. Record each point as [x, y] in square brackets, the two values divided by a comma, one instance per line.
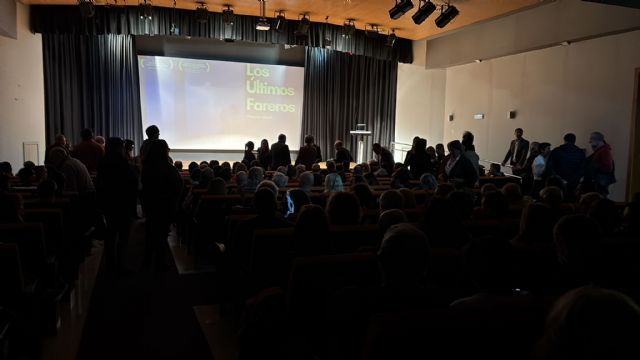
[584, 87]
[536, 28]
[420, 99]
[21, 92]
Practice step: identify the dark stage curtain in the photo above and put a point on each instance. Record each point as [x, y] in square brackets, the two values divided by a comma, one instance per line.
[342, 90]
[126, 20]
[91, 81]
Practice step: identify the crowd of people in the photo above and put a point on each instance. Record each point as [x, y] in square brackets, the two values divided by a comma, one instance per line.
[570, 242]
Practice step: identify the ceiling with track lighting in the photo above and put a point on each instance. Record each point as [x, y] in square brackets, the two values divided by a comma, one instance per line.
[363, 12]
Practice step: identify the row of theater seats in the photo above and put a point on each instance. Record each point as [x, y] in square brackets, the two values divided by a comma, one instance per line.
[39, 262]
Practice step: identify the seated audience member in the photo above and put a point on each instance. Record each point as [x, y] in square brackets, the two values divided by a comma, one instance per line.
[59, 141]
[306, 181]
[428, 182]
[211, 164]
[88, 151]
[442, 226]
[578, 243]
[463, 204]
[47, 191]
[489, 268]
[389, 218]
[249, 156]
[296, 199]
[364, 195]
[401, 178]
[404, 258]
[318, 177]
[240, 167]
[488, 188]
[217, 186]
[41, 173]
[178, 165]
[365, 167]
[307, 154]
[357, 170]
[291, 172]
[195, 176]
[586, 200]
[343, 209]
[254, 177]
[494, 206]
[100, 140]
[299, 170]
[556, 181]
[312, 232]
[536, 226]
[241, 180]
[76, 175]
[254, 163]
[495, 170]
[409, 199]
[443, 190]
[513, 193]
[553, 197]
[358, 179]
[27, 176]
[11, 208]
[264, 202]
[391, 199]
[371, 179]
[333, 183]
[591, 323]
[192, 166]
[6, 169]
[280, 180]
[331, 167]
[206, 175]
[606, 214]
[458, 169]
[269, 185]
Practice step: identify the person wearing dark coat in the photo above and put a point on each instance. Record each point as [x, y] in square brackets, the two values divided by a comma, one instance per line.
[342, 154]
[117, 189]
[419, 162]
[384, 158]
[517, 154]
[567, 161]
[458, 168]
[264, 154]
[161, 191]
[307, 154]
[280, 155]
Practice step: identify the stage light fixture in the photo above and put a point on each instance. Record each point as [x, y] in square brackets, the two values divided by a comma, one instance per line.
[349, 28]
[303, 25]
[263, 24]
[401, 8]
[448, 14]
[372, 30]
[391, 38]
[227, 15]
[424, 11]
[87, 8]
[145, 9]
[280, 21]
[202, 13]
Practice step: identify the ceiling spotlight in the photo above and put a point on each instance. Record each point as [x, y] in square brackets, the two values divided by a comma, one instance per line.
[263, 24]
[227, 15]
[87, 9]
[303, 25]
[280, 21]
[349, 28]
[449, 13]
[401, 8]
[145, 9]
[391, 39]
[202, 12]
[424, 11]
[372, 31]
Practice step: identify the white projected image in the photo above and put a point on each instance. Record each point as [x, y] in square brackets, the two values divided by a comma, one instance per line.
[219, 105]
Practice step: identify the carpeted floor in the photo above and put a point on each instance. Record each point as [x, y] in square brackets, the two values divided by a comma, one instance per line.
[141, 315]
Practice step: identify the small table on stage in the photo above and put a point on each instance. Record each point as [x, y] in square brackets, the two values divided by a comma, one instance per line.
[360, 135]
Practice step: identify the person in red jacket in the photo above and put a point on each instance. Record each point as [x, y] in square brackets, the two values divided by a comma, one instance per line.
[600, 168]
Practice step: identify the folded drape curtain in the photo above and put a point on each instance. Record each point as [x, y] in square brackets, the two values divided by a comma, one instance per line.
[91, 81]
[343, 90]
[126, 20]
